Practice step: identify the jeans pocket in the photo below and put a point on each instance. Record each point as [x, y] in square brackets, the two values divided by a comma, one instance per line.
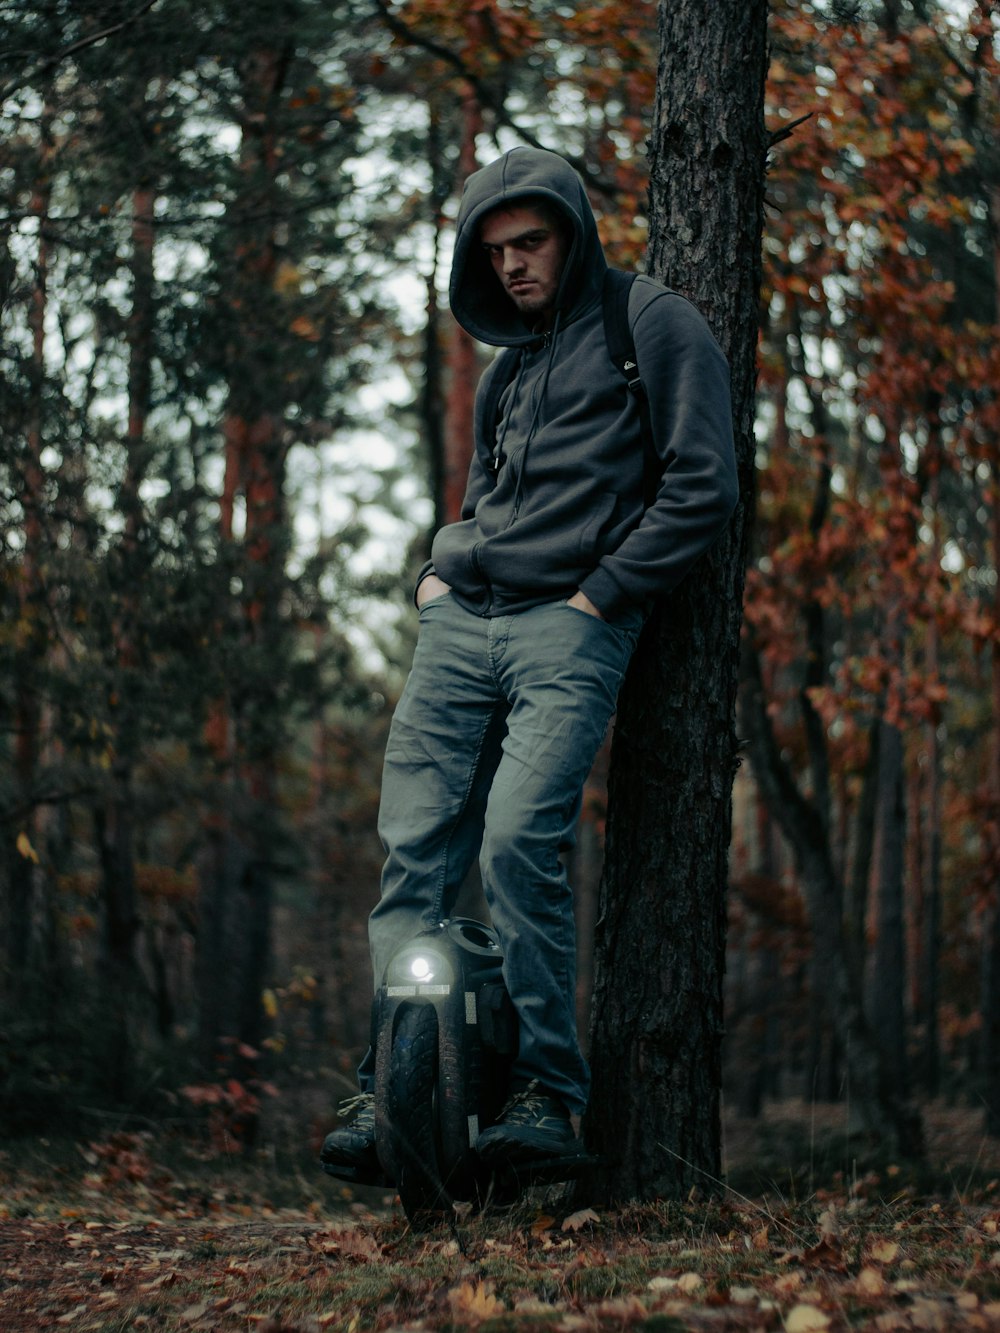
[579, 611]
[433, 601]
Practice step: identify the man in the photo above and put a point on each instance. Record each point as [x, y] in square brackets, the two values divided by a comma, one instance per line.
[529, 611]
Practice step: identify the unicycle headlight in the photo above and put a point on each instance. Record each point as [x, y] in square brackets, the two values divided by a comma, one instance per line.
[419, 971]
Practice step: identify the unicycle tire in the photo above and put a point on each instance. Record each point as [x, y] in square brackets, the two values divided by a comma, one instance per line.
[410, 1116]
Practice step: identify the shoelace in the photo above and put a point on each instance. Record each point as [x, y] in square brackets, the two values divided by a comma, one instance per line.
[528, 1099]
[361, 1101]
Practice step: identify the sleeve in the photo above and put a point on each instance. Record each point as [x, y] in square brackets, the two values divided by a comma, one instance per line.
[686, 379]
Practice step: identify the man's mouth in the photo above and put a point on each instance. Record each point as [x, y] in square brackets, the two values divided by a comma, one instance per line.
[520, 286]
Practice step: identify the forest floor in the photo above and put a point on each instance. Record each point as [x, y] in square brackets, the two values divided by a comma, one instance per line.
[129, 1232]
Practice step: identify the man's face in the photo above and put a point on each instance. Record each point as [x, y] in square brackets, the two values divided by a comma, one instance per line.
[527, 252]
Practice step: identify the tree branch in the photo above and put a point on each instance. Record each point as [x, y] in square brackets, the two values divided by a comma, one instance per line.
[485, 94]
[72, 49]
[786, 131]
[798, 818]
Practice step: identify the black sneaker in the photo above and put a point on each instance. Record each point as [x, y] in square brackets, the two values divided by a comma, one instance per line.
[533, 1132]
[349, 1152]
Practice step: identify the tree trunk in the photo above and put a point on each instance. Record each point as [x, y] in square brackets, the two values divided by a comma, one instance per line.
[660, 942]
[990, 999]
[115, 823]
[236, 880]
[463, 362]
[856, 895]
[875, 1100]
[929, 923]
[20, 963]
[887, 981]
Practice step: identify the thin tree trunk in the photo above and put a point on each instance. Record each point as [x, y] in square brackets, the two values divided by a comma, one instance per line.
[929, 923]
[432, 396]
[236, 881]
[875, 1099]
[887, 982]
[856, 896]
[463, 364]
[990, 1000]
[23, 854]
[115, 824]
[660, 942]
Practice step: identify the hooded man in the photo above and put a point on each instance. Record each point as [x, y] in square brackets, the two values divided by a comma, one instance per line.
[529, 610]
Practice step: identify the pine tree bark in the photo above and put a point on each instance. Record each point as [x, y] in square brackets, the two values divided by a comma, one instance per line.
[114, 822]
[659, 947]
[990, 997]
[929, 942]
[463, 362]
[887, 981]
[19, 952]
[236, 888]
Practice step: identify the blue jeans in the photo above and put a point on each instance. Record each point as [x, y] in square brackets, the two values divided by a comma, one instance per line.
[492, 740]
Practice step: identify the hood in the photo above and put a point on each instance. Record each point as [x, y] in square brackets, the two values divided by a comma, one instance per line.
[478, 301]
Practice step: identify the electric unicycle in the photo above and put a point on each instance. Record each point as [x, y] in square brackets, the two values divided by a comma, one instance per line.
[445, 1034]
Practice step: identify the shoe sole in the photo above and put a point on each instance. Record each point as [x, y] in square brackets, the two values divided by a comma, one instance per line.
[526, 1172]
[537, 1158]
[498, 1141]
[356, 1175]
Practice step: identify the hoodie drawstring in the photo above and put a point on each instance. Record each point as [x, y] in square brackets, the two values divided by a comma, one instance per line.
[498, 455]
[519, 487]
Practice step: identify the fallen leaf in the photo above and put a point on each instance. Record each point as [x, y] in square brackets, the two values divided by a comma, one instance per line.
[689, 1283]
[576, 1221]
[790, 1282]
[806, 1319]
[629, 1307]
[662, 1283]
[885, 1251]
[825, 1254]
[743, 1295]
[164, 1280]
[541, 1224]
[349, 1242]
[930, 1314]
[475, 1302]
[25, 849]
[870, 1282]
[829, 1223]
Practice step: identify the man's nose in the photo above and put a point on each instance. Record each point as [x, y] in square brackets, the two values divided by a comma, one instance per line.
[513, 260]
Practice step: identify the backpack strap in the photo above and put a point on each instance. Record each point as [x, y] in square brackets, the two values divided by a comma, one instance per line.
[621, 350]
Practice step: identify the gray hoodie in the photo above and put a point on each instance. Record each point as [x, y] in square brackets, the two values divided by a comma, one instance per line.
[565, 511]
